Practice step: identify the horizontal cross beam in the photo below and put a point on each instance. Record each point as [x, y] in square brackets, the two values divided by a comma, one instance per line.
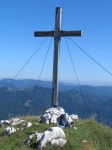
[60, 33]
[43, 33]
[69, 33]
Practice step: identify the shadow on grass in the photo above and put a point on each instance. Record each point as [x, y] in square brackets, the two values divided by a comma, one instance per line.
[34, 146]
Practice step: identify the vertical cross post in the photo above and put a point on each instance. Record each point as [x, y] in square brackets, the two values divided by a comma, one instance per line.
[57, 34]
[57, 39]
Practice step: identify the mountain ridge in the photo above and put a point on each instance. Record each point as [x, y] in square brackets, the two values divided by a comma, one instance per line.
[28, 83]
[34, 100]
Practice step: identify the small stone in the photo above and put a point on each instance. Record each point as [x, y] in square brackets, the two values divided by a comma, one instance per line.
[28, 125]
[84, 141]
[47, 121]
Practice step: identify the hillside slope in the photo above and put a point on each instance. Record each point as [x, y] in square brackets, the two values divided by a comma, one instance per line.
[89, 135]
[98, 102]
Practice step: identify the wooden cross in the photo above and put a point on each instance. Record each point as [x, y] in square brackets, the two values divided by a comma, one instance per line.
[57, 34]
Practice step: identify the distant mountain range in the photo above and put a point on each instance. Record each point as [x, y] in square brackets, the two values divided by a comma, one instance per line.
[19, 97]
[28, 83]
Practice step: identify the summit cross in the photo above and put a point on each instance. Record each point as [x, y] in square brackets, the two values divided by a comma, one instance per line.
[57, 34]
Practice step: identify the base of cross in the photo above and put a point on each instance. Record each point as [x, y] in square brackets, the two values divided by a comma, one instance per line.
[58, 116]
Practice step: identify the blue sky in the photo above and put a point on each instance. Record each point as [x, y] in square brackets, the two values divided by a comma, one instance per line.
[19, 20]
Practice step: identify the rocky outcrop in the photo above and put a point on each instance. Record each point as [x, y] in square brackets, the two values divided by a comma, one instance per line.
[54, 136]
[58, 116]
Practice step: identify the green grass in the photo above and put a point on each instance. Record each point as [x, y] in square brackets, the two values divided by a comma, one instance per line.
[98, 137]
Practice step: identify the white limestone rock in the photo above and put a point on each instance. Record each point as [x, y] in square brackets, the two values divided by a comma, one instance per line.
[28, 125]
[51, 115]
[61, 110]
[39, 136]
[5, 122]
[9, 131]
[47, 121]
[74, 117]
[54, 118]
[84, 141]
[16, 121]
[27, 141]
[49, 135]
[58, 142]
[45, 118]
[54, 136]
[36, 135]
[58, 116]
[66, 121]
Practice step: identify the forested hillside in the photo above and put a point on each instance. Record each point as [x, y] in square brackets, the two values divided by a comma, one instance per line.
[95, 101]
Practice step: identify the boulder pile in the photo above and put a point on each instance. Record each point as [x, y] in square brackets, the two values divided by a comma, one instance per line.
[52, 115]
[54, 136]
[13, 122]
[58, 116]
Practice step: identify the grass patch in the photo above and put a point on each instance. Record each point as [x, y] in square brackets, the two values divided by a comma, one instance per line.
[89, 135]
